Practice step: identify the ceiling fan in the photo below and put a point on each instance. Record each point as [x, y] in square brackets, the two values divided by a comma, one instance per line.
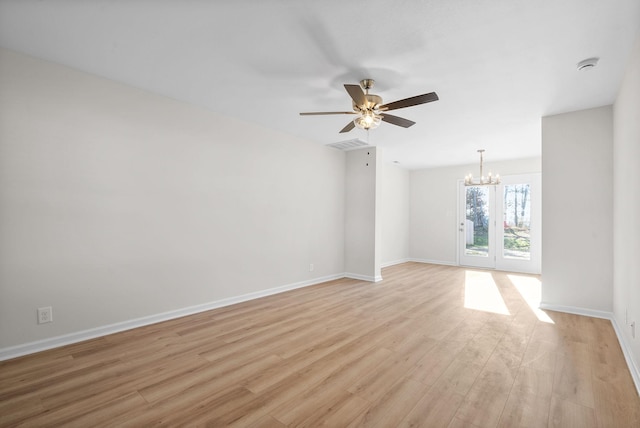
[369, 108]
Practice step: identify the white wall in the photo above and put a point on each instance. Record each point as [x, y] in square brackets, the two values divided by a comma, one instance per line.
[362, 224]
[434, 204]
[626, 206]
[116, 203]
[395, 214]
[577, 209]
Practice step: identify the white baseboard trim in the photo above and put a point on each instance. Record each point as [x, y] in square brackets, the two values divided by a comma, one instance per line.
[622, 340]
[363, 277]
[396, 262]
[432, 262]
[67, 339]
[628, 356]
[577, 311]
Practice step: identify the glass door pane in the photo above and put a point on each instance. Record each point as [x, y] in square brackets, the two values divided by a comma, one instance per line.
[519, 238]
[477, 221]
[517, 222]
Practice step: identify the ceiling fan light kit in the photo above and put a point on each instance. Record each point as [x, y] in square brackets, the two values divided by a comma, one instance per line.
[367, 120]
[370, 111]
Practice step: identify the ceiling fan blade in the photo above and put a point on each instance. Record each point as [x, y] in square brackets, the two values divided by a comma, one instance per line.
[318, 113]
[408, 102]
[395, 120]
[348, 128]
[356, 94]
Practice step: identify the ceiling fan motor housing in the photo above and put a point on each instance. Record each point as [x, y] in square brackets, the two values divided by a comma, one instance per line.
[372, 101]
[367, 84]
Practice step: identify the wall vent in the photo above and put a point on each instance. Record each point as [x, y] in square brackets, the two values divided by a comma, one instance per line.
[347, 145]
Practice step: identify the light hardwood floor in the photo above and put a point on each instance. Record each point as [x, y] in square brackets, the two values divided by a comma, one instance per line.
[407, 351]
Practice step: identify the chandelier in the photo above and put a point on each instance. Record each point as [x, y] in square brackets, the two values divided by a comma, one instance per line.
[483, 181]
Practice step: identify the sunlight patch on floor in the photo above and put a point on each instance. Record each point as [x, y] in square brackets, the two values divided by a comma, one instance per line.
[481, 293]
[530, 289]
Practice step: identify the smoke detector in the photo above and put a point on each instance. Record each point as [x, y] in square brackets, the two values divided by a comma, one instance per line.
[588, 64]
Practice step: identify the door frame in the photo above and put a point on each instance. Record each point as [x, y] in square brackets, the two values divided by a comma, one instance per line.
[496, 234]
[489, 261]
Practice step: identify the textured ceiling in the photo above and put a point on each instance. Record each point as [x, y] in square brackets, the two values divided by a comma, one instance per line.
[498, 66]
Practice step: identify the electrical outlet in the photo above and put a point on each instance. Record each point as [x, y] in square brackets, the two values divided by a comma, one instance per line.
[45, 315]
[311, 267]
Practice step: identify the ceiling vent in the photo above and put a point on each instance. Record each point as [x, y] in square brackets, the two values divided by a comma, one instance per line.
[347, 145]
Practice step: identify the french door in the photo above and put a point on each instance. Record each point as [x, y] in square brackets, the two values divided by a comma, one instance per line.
[499, 226]
[477, 226]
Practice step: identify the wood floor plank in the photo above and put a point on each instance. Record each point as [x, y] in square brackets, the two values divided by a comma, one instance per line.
[567, 414]
[321, 394]
[376, 383]
[210, 377]
[405, 351]
[393, 407]
[434, 363]
[525, 410]
[532, 381]
[84, 377]
[540, 355]
[572, 381]
[93, 411]
[284, 391]
[18, 409]
[615, 404]
[459, 423]
[327, 408]
[259, 381]
[485, 401]
[465, 368]
[267, 422]
[346, 411]
[507, 355]
[435, 409]
[465, 330]
[203, 408]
